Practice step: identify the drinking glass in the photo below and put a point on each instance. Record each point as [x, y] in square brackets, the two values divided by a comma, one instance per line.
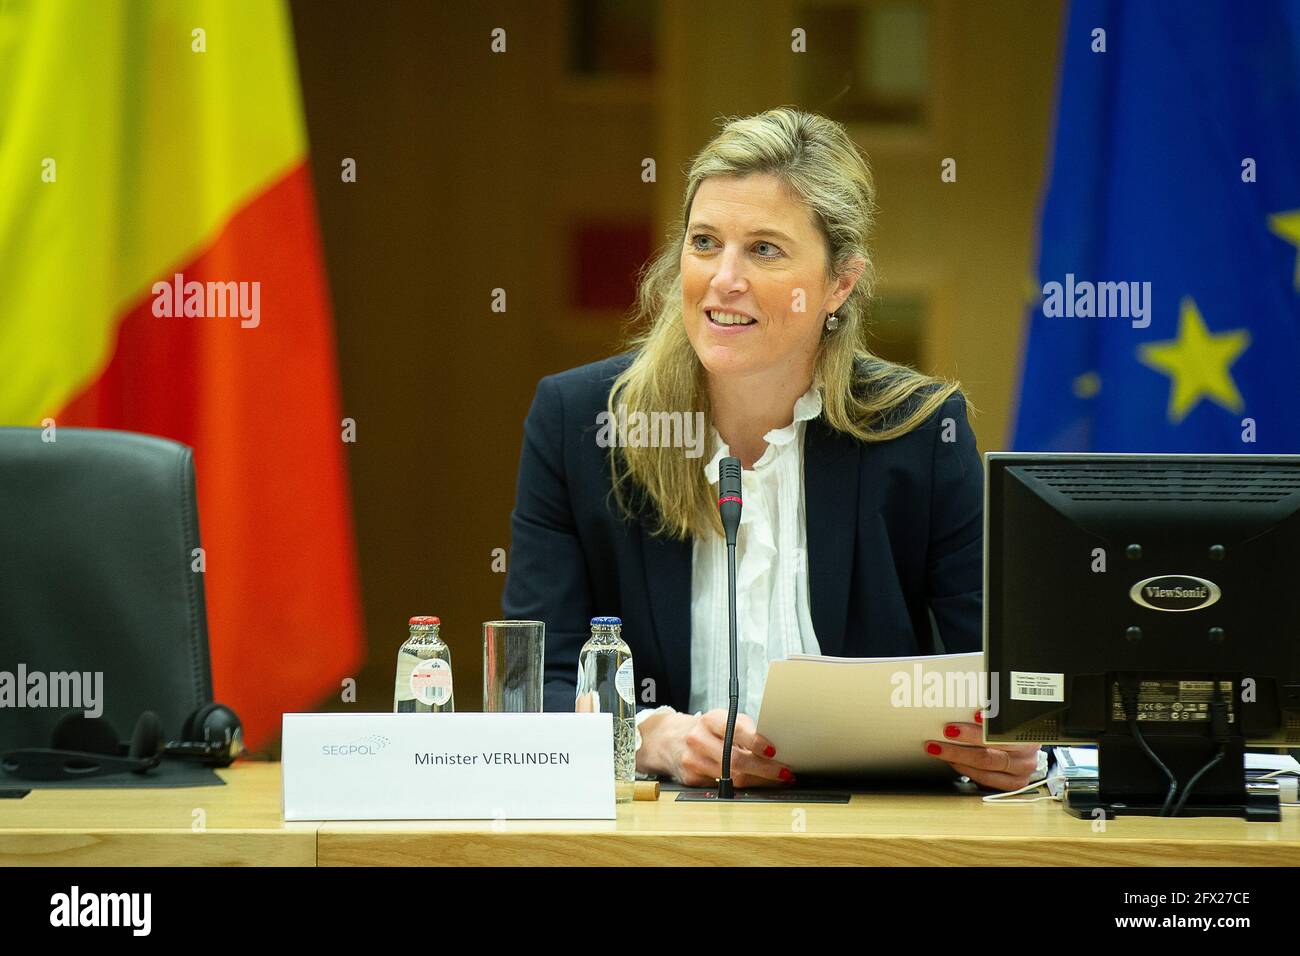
[513, 652]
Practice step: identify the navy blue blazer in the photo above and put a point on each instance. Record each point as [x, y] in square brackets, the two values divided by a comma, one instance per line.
[894, 532]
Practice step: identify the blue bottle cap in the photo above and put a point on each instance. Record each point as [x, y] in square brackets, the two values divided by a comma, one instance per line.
[606, 621]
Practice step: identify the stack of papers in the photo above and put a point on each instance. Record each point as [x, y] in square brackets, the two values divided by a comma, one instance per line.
[868, 716]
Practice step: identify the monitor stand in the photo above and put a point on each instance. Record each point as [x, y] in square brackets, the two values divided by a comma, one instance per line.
[1129, 783]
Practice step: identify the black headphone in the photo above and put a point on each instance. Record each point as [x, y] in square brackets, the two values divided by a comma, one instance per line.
[84, 746]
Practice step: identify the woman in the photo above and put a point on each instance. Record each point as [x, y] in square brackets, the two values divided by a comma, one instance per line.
[862, 483]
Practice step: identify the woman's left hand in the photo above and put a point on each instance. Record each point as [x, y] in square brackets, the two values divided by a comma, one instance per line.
[999, 766]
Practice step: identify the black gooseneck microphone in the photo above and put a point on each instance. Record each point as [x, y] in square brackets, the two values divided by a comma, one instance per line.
[729, 504]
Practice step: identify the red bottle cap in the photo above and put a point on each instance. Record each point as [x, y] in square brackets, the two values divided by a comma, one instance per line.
[424, 620]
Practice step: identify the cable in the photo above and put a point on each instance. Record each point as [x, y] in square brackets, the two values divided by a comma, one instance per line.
[1273, 774]
[1130, 713]
[1005, 797]
[1187, 791]
[1219, 729]
[1173, 781]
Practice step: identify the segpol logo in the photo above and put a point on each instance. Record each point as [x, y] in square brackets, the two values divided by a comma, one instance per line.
[366, 746]
[1175, 592]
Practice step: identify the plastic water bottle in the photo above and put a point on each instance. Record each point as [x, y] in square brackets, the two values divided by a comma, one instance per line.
[606, 685]
[423, 671]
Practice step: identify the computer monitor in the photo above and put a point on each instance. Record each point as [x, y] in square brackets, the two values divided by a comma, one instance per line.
[1149, 604]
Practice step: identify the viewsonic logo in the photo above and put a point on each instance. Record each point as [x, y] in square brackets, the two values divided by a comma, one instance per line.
[1175, 592]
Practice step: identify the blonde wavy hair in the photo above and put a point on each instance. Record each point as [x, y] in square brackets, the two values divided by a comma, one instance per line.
[863, 395]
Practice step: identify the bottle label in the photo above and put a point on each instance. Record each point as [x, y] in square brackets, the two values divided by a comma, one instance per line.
[431, 681]
[405, 664]
[625, 682]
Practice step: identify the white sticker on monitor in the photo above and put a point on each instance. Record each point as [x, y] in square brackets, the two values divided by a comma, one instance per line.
[1030, 685]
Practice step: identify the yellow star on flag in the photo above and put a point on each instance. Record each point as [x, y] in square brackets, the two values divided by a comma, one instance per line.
[1087, 385]
[1197, 363]
[1287, 225]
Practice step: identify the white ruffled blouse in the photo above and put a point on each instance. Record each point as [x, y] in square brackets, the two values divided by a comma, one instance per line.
[773, 615]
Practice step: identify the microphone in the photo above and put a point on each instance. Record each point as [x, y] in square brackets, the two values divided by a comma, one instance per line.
[729, 505]
[729, 497]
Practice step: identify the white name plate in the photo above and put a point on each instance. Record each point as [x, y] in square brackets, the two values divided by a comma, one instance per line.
[448, 766]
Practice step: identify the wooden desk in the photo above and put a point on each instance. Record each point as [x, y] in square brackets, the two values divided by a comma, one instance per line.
[243, 826]
[886, 830]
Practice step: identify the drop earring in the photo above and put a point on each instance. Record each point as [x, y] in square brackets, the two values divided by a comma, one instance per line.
[832, 322]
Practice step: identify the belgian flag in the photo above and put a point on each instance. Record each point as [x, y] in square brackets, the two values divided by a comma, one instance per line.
[148, 148]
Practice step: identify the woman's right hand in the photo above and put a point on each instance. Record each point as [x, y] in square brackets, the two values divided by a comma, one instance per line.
[690, 748]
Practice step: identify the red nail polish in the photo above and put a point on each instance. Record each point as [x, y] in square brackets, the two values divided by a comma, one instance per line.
[979, 716]
[770, 751]
[785, 774]
[933, 749]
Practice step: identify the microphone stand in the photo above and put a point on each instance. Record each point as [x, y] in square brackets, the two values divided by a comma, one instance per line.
[725, 789]
[729, 505]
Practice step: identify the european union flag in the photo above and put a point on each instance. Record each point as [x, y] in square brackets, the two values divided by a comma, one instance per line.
[1168, 316]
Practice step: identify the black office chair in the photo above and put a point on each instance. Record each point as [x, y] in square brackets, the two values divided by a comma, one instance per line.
[98, 531]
